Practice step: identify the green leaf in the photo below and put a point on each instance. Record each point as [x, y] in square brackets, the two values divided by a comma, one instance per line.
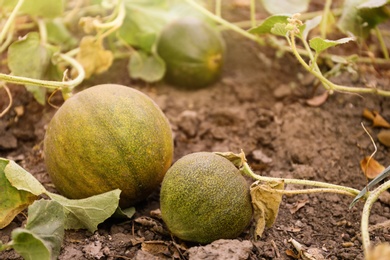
[142, 25]
[148, 67]
[285, 6]
[23, 180]
[29, 246]
[44, 232]
[124, 213]
[267, 25]
[360, 16]
[279, 29]
[58, 34]
[27, 57]
[319, 45]
[89, 212]
[12, 201]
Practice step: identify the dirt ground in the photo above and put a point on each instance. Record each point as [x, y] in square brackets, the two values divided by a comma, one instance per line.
[259, 105]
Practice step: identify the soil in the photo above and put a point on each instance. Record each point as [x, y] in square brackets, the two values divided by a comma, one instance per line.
[260, 106]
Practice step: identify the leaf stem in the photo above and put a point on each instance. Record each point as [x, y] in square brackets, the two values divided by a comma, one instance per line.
[65, 86]
[9, 97]
[218, 8]
[325, 17]
[330, 86]
[366, 214]
[224, 22]
[382, 43]
[253, 13]
[328, 187]
[10, 20]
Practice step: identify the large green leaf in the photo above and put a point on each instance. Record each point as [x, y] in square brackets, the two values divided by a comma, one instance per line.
[360, 16]
[44, 232]
[27, 57]
[267, 25]
[12, 200]
[285, 6]
[142, 25]
[148, 67]
[319, 45]
[23, 180]
[90, 212]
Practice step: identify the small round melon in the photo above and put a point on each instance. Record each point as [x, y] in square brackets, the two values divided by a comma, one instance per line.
[204, 197]
[193, 52]
[108, 137]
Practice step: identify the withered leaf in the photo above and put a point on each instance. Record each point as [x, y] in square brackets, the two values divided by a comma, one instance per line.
[376, 118]
[384, 137]
[371, 167]
[318, 100]
[297, 205]
[265, 201]
[237, 159]
[380, 252]
[93, 57]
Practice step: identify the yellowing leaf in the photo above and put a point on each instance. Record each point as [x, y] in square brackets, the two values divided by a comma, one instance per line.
[380, 252]
[265, 201]
[92, 55]
[370, 167]
[384, 137]
[12, 200]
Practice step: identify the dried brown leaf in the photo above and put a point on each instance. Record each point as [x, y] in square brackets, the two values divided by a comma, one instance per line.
[237, 159]
[379, 121]
[371, 167]
[368, 114]
[318, 100]
[376, 118]
[380, 252]
[266, 201]
[384, 137]
[297, 205]
[155, 247]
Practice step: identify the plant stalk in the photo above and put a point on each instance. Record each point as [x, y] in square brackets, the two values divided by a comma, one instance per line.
[366, 214]
[340, 189]
[10, 20]
[65, 86]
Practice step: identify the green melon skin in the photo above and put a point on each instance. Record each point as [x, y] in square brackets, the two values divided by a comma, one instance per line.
[193, 52]
[203, 198]
[108, 137]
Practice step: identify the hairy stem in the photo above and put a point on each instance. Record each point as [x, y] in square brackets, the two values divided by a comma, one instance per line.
[224, 22]
[382, 43]
[330, 86]
[325, 17]
[10, 20]
[65, 86]
[366, 214]
[340, 189]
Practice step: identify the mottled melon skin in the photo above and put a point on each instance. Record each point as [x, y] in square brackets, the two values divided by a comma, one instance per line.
[203, 198]
[108, 137]
[193, 52]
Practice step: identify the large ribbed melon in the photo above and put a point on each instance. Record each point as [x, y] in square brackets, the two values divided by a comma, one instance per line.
[204, 197]
[108, 137]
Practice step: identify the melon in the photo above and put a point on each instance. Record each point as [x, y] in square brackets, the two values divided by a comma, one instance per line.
[108, 137]
[204, 197]
[193, 52]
